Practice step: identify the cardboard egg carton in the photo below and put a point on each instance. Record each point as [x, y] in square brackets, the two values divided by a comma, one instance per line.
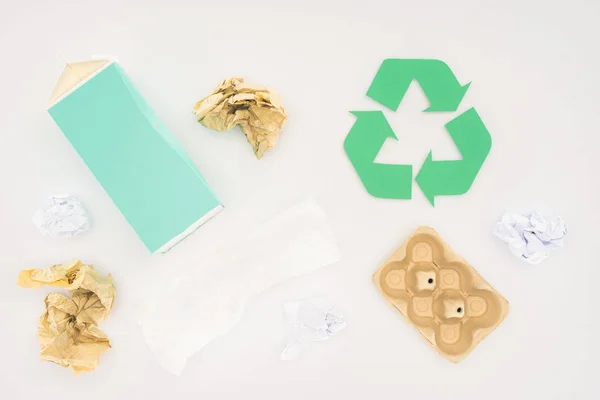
[439, 293]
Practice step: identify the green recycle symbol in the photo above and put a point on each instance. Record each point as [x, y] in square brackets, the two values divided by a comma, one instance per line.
[371, 129]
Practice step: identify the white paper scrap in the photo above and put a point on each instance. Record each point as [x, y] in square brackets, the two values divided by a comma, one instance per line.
[310, 320]
[189, 311]
[531, 236]
[61, 217]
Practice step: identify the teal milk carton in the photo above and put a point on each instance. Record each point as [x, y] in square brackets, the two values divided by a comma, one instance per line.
[133, 155]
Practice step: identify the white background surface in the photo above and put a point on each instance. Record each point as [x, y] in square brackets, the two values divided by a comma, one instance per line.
[534, 67]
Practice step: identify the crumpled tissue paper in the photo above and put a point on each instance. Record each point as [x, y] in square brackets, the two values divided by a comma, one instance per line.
[68, 329]
[256, 109]
[61, 217]
[310, 320]
[186, 312]
[531, 236]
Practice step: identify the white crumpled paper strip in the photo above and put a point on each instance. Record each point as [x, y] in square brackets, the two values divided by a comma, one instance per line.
[192, 310]
[310, 320]
[531, 236]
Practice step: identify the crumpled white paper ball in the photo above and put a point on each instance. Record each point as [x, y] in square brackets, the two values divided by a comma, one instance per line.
[310, 320]
[531, 236]
[61, 217]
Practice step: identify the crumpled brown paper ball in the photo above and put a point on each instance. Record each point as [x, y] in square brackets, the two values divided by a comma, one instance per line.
[67, 330]
[257, 110]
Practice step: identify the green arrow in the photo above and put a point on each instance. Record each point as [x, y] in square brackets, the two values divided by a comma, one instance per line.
[435, 77]
[365, 139]
[444, 178]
